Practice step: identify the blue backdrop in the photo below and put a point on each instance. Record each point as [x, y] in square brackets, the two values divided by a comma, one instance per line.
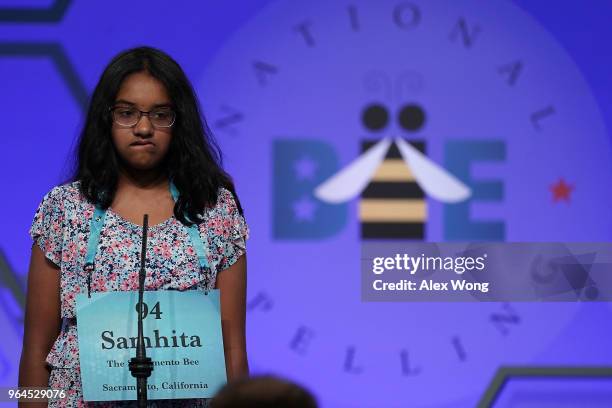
[512, 97]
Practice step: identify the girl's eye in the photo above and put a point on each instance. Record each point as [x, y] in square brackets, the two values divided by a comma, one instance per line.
[126, 113]
[161, 114]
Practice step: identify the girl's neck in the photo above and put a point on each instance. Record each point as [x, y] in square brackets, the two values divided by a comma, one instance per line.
[142, 179]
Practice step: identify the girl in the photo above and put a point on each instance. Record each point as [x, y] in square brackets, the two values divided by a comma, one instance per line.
[143, 134]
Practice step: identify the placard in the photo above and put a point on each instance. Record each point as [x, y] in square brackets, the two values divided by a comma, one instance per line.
[182, 336]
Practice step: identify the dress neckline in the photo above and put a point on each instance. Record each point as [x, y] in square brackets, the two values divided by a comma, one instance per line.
[155, 227]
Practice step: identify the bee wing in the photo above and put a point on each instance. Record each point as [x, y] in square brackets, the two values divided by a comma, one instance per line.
[433, 179]
[351, 180]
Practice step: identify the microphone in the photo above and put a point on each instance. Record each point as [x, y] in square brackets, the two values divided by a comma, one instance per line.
[141, 365]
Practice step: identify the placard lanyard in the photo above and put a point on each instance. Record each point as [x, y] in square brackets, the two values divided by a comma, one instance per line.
[97, 222]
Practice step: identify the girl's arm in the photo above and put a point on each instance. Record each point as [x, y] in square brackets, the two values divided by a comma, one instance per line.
[42, 321]
[232, 284]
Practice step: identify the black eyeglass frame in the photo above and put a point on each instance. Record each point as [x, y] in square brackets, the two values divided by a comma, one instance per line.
[140, 113]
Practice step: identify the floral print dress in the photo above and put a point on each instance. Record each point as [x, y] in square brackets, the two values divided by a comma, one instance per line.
[61, 229]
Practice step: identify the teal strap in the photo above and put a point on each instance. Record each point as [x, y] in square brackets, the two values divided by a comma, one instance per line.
[97, 222]
[194, 234]
[198, 244]
[174, 191]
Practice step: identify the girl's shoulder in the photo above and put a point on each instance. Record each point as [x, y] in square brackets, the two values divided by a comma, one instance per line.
[57, 218]
[226, 204]
[63, 201]
[224, 196]
[68, 193]
[226, 229]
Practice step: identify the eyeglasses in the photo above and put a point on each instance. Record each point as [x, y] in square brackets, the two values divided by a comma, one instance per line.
[129, 116]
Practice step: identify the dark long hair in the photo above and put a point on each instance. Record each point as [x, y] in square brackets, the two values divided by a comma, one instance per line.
[193, 161]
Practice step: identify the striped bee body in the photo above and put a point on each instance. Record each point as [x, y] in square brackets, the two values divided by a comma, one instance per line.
[393, 205]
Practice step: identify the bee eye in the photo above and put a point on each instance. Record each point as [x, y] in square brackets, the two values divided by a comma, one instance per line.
[411, 117]
[375, 117]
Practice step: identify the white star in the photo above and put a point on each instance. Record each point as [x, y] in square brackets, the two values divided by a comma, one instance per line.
[305, 168]
[304, 209]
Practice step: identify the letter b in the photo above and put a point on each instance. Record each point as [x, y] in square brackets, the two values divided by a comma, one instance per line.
[299, 167]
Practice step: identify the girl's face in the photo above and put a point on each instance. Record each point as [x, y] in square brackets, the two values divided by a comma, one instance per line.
[142, 140]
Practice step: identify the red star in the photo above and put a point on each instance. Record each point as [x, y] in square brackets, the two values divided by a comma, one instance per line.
[561, 190]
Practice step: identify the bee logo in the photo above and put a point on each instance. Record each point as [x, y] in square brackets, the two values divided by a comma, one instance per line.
[393, 176]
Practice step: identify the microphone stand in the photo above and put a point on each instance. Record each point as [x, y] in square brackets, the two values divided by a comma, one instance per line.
[141, 365]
